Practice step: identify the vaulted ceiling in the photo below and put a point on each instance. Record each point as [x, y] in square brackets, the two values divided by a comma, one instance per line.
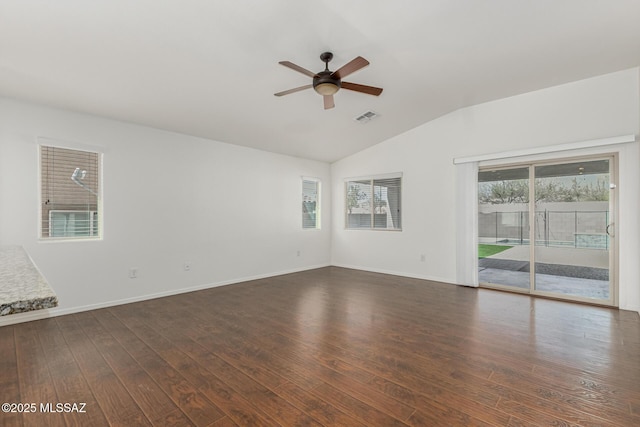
[210, 68]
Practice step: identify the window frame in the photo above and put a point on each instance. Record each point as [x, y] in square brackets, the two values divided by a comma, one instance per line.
[42, 232]
[372, 180]
[318, 206]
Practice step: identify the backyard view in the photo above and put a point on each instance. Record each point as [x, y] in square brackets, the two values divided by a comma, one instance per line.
[488, 250]
[570, 228]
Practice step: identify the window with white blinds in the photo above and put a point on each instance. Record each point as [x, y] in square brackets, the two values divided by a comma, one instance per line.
[310, 203]
[69, 193]
[374, 203]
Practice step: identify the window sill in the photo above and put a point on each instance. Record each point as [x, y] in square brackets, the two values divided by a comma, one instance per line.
[69, 240]
[373, 229]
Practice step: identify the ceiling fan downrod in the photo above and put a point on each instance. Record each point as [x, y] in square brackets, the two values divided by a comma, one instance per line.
[324, 82]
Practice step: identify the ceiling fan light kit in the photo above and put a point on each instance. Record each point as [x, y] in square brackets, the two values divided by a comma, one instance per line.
[327, 88]
[327, 82]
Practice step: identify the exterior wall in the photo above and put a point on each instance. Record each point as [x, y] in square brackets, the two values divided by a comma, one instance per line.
[232, 212]
[599, 107]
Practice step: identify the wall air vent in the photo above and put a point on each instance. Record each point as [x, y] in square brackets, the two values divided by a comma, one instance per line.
[366, 117]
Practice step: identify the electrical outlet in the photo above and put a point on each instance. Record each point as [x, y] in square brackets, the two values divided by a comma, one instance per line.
[133, 273]
[423, 257]
[187, 266]
[298, 253]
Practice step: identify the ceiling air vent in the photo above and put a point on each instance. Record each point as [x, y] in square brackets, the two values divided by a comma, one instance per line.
[366, 117]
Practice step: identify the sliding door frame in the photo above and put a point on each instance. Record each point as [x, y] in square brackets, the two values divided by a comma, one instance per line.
[613, 220]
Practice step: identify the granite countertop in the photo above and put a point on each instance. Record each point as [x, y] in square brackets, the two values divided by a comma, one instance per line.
[22, 287]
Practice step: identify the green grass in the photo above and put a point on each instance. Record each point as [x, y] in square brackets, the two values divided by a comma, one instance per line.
[488, 250]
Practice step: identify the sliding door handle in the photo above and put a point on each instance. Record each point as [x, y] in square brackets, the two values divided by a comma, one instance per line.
[608, 232]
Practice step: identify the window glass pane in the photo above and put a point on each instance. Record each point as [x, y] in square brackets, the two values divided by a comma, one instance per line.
[73, 223]
[571, 234]
[373, 203]
[386, 201]
[310, 204]
[503, 227]
[359, 204]
[69, 193]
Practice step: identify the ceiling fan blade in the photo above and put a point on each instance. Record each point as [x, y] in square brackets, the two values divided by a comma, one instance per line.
[370, 90]
[350, 67]
[328, 102]
[297, 68]
[296, 89]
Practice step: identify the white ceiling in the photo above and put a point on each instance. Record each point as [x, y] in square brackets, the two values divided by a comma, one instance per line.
[210, 68]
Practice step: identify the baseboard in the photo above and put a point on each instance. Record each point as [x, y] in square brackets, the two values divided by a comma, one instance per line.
[29, 316]
[398, 273]
[54, 312]
[631, 308]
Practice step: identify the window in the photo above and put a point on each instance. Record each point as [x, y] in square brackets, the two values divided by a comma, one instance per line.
[310, 203]
[374, 203]
[69, 193]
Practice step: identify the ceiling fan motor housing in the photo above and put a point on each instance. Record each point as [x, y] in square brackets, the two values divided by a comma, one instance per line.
[324, 84]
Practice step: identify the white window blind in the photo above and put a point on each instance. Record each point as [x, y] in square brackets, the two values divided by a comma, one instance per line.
[69, 193]
[310, 203]
[374, 203]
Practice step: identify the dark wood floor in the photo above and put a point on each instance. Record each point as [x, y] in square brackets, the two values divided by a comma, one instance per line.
[331, 347]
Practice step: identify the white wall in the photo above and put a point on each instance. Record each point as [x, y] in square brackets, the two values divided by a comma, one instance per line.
[595, 108]
[233, 212]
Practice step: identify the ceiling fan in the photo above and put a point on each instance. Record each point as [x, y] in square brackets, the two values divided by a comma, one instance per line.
[328, 82]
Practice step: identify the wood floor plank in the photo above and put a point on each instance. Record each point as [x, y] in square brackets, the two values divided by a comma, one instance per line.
[153, 402]
[432, 395]
[547, 397]
[186, 396]
[224, 422]
[444, 417]
[220, 368]
[35, 382]
[116, 403]
[236, 407]
[362, 411]
[324, 412]
[482, 395]
[517, 422]
[67, 377]
[590, 387]
[9, 379]
[330, 346]
[188, 333]
[173, 350]
[260, 396]
[533, 416]
[359, 391]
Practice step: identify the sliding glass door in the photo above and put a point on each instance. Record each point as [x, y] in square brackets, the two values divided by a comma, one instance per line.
[566, 209]
[572, 229]
[504, 257]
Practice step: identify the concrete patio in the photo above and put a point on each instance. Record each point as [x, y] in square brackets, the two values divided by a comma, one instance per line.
[568, 271]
